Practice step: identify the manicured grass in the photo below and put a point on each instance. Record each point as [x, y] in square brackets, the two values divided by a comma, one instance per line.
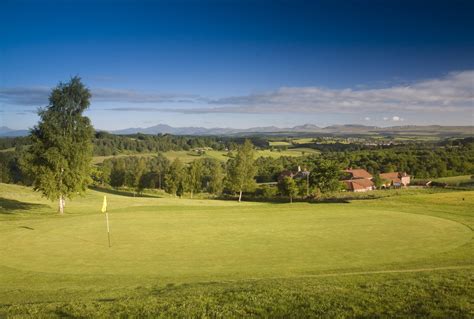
[406, 254]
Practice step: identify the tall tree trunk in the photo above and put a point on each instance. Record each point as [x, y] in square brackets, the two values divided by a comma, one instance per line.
[61, 204]
[291, 199]
[240, 196]
[191, 194]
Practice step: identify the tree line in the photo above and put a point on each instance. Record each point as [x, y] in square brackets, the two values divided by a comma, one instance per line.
[201, 175]
[237, 176]
[107, 144]
[450, 158]
[139, 173]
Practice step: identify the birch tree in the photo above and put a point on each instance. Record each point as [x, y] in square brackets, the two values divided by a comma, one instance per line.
[59, 159]
[242, 169]
[288, 187]
[194, 176]
[175, 177]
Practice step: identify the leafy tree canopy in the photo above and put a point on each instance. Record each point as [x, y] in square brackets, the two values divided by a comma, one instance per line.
[241, 174]
[61, 151]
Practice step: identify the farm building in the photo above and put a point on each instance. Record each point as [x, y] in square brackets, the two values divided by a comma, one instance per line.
[356, 180]
[359, 185]
[359, 180]
[358, 173]
[395, 179]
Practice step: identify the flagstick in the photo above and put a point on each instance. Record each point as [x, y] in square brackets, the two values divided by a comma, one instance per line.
[108, 229]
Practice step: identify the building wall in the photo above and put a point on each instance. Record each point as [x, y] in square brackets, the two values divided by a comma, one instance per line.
[405, 180]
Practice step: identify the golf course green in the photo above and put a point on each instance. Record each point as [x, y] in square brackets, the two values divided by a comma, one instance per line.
[157, 242]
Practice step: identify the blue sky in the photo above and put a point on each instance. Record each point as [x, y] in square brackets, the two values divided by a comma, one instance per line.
[242, 63]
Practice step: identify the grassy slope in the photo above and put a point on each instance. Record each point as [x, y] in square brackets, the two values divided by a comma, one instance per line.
[222, 259]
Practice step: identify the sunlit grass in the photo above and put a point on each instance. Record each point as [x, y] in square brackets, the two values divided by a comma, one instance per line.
[167, 247]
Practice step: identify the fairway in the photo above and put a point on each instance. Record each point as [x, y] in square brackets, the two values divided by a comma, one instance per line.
[158, 242]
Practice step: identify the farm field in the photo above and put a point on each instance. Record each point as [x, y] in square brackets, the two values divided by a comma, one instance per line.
[303, 140]
[456, 180]
[306, 140]
[407, 254]
[189, 156]
[279, 143]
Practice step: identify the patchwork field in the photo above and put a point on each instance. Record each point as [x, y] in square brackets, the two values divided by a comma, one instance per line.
[408, 254]
[189, 156]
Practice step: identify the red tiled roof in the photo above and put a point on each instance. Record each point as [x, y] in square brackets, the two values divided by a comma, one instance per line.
[358, 173]
[355, 184]
[393, 175]
[363, 183]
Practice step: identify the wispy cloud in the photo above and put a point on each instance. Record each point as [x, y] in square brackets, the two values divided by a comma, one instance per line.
[453, 92]
[136, 109]
[130, 96]
[38, 96]
[32, 96]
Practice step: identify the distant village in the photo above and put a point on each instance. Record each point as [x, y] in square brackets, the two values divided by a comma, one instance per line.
[359, 180]
[362, 181]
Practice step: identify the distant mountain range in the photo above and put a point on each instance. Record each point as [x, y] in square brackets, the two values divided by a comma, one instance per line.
[300, 129]
[166, 129]
[8, 132]
[306, 128]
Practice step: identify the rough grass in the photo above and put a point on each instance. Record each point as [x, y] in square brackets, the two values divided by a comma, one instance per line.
[398, 256]
[442, 294]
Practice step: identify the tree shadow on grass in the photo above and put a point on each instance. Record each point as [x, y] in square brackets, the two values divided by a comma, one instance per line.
[315, 201]
[64, 314]
[283, 200]
[122, 193]
[11, 206]
[26, 227]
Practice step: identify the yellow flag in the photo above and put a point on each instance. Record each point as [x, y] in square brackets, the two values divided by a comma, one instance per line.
[104, 205]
